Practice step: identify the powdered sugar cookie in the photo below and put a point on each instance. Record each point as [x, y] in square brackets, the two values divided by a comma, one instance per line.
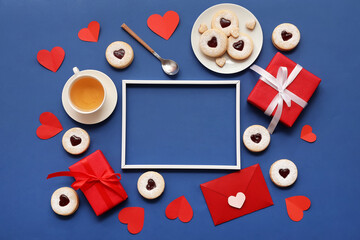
[286, 37]
[151, 185]
[250, 24]
[256, 138]
[225, 21]
[119, 54]
[220, 61]
[64, 201]
[213, 43]
[283, 173]
[203, 28]
[241, 47]
[76, 141]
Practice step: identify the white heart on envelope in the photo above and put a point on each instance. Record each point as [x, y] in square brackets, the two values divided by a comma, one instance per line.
[238, 201]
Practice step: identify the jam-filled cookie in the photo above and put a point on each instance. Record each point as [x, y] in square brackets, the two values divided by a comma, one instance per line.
[286, 37]
[256, 138]
[283, 173]
[241, 47]
[151, 185]
[76, 141]
[225, 21]
[64, 201]
[119, 54]
[213, 43]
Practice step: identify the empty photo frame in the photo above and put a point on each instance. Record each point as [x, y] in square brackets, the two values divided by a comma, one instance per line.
[140, 98]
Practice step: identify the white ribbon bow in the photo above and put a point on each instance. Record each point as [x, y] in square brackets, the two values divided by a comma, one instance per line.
[280, 83]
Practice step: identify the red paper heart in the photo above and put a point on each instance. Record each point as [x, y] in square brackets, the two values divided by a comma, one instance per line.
[164, 26]
[133, 217]
[296, 205]
[91, 33]
[180, 208]
[307, 134]
[51, 60]
[50, 126]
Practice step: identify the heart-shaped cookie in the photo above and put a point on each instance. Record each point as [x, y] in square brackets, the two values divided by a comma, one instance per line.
[164, 26]
[133, 217]
[91, 33]
[307, 134]
[51, 60]
[237, 201]
[180, 208]
[296, 205]
[50, 126]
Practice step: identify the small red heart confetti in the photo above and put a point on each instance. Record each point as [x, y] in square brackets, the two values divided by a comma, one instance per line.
[91, 33]
[133, 217]
[180, 208]
[51, 60]
[164, 26]
[307, 134]
[296, 205]
[50, 126]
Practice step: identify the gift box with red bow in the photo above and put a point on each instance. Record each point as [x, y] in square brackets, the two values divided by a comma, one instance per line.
[97, 180]
[283, 90]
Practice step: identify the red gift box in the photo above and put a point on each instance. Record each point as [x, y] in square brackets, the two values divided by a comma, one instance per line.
[303, 86]
[97, 180]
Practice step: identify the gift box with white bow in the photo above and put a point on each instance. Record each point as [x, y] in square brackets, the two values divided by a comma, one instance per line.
[283, 90]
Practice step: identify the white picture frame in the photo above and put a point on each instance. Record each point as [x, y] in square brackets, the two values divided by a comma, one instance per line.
[236, 83]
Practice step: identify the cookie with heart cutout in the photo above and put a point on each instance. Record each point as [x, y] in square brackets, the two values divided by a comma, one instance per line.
[213, 43]
[240, 48]
[151, 185]
[119, 54]
[64, 201]
[225, 21]
[283, 173]
[286, 37]
[256, 138]
[76, 141]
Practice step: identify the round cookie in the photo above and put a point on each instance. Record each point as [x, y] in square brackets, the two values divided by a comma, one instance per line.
[213, 43]
[225, 21]
[241, 47]
[286, 36]
[76, 141]
[283, 173]
[64, 201]
[119, 54]
[151, 185]
[256, 138]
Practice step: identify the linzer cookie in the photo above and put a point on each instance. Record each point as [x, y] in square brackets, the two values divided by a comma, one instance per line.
[119, 54]
[151, 185]
[256, 138]
[286, 36]
[241, 47]
[283, 173]
[213, 43]
[225, 21]
[64, 201]
[76, 141]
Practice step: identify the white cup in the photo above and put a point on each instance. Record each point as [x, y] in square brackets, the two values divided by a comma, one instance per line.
[80, 75]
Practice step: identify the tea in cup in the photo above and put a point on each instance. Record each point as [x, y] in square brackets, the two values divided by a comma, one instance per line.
[86, 93]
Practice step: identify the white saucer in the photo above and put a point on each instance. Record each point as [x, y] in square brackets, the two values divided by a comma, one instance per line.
[104, 112]
[231, 65]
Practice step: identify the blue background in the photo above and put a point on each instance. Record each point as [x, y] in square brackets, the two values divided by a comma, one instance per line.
[328, 168]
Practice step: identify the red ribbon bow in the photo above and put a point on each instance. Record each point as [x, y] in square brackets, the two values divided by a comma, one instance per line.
[83, 179]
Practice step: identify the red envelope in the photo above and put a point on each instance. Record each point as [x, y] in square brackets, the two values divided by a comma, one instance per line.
[249, 181]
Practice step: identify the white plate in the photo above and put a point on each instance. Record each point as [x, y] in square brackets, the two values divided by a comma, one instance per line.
[104, 112]
[232, 65]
